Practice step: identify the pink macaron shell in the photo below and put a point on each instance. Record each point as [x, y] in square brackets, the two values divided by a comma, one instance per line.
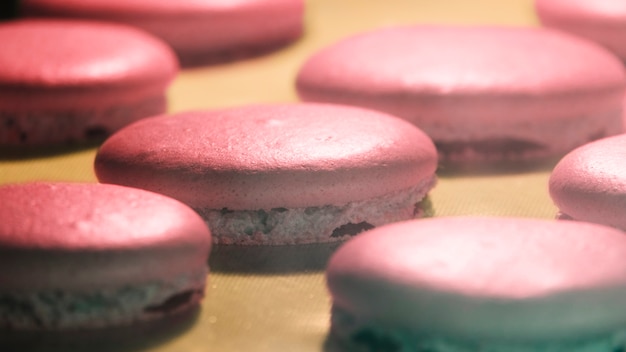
[603, 21]
[468, 84]
[53, 64]
[93, 234]
[268, 156]
[197, 30]
[589, 184]
[503, 280]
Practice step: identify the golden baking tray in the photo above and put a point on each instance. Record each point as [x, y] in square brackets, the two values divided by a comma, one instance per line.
[278, 301]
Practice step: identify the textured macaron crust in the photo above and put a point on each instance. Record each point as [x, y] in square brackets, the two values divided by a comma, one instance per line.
[481, 93]
[199, 31]
[267, 160]
[74, 80]
[481, 284]
[81, 256]
[603, 21]
[589, 184]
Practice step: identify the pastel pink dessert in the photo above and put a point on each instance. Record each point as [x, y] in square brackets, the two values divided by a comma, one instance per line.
[480, 284]
[278, 174]
[589, 184]
[200, 32]
[75, 81]
[602, 21]
[93, 256]
[481, 93]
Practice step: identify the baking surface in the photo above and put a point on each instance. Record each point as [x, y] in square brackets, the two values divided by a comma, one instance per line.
[274, 299]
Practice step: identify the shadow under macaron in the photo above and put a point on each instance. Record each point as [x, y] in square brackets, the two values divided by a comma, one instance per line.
[140, 336]
[500, 167]
[269, 259]
[291, 258]
[41, 151]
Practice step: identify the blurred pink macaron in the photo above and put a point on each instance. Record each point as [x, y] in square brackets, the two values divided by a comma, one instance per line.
[87, 256]
[603, 21]
[200, 32]
[64, 81]
[480, 284]
[481, 93]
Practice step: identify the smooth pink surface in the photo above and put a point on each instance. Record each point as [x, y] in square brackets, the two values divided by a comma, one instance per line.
[267, 156]
[51, 64]
[98, 233]
[506, 279]
[193, 28]
[475, 83]
[603, 21]
[589, 184]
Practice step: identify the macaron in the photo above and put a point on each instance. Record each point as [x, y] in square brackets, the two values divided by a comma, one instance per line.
[480, 284]
[84, 257]
[481, 93]
[76, 81]
[589, 184]
[201, 32]
[278, 174]
[602, 21]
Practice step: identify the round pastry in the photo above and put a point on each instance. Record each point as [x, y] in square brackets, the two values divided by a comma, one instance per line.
[603, 21]
[481, 93]
[66, 81]
[93, 256]
[589, 184]
[480, 284]
[278, 174]
[200, 32]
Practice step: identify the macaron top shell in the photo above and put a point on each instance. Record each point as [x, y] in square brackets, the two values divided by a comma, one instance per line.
[81, 58]
[590, 182]
[147, 7]
[499, 279]
[199, 31]
[602, 12]
[603, 21]
[267, 156]
[428, 61]
[124, 234]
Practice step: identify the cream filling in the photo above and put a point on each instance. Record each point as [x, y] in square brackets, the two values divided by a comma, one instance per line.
[327, 223]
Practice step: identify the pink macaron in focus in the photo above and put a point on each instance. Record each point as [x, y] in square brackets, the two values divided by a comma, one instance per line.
[278, 174]
[200, 32]
[87, 256]
[77, 81]
[480, 284]
[589, 184]
[481, 93]
[603, 21]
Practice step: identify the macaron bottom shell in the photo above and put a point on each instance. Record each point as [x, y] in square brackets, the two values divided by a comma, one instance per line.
[350, 332]
[329, 223]
[35, 128]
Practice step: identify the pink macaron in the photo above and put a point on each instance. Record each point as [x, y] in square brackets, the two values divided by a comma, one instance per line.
[76, 81]
[481, 93]
[480, 284]
[199, 31]
[603, 21]
[589, 184]
[90, 256]
[278, 174]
